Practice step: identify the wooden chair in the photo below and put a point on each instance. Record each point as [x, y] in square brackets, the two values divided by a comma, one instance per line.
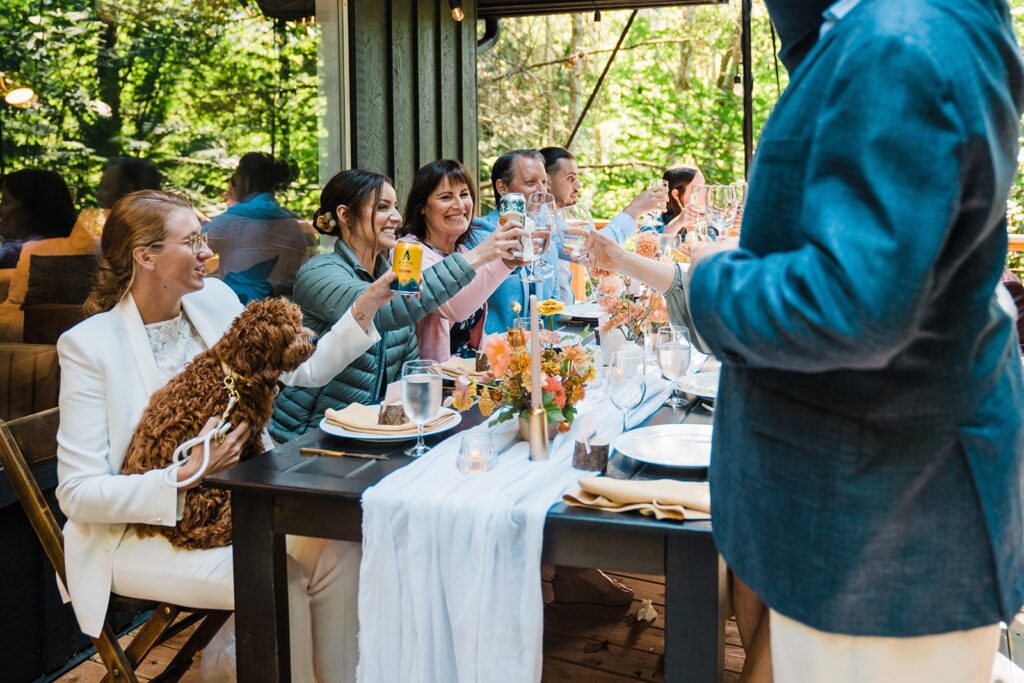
[31, 441]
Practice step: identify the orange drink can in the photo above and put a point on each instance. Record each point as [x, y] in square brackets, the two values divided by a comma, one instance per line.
[408, 267]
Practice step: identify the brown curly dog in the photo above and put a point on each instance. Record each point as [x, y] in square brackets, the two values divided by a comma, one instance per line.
[266, 340]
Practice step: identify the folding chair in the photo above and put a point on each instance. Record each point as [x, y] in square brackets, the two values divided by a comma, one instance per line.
[32, 440]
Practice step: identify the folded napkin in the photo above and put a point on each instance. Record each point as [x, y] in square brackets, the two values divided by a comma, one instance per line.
[662, 498]
[457, 367]
[356, 417]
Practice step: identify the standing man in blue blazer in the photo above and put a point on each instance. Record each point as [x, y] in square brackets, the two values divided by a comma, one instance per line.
[866, 475]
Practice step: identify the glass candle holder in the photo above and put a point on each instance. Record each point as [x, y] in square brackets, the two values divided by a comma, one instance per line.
[477, 453]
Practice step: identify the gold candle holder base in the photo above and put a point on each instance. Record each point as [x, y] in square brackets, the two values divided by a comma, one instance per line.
[538, 434]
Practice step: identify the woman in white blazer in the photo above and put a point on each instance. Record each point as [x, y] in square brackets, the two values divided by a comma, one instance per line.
[154, 310]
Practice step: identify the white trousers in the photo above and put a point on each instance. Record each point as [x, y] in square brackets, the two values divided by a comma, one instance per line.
[323, 585]
[806, 655]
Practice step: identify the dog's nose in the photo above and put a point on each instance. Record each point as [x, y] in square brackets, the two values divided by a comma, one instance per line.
[313, 339]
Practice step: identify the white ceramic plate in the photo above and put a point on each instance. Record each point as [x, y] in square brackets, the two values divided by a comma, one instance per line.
[704, 384]
[362, 436]
[668, 445]
[570, 338]
[582, 311]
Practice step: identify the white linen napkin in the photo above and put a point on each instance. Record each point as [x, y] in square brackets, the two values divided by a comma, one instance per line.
[450, 585]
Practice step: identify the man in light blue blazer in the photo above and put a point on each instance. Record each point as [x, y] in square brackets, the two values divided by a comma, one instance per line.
[866, 475]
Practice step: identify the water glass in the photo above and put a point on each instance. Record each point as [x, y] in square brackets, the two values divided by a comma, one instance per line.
[421, 397]
[574, 221]
[627, 383]
[477, 453]
[673, 346]
[669, 244]
[540, 220]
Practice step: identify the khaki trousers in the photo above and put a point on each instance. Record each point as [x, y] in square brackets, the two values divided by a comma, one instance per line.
[801, 653]
[323, 579]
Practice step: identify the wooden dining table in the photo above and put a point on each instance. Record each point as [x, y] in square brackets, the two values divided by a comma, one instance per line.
[285, 492]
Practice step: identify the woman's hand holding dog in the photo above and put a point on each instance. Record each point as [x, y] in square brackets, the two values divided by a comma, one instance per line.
[222, 455]
[372, 298]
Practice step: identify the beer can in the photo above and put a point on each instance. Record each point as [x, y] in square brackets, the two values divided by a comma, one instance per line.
[512, 206]
[408, 267]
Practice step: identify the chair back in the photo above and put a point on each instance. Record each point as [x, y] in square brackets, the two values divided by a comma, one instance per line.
[24, 442]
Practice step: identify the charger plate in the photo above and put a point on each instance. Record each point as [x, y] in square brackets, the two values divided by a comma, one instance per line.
[671, 445]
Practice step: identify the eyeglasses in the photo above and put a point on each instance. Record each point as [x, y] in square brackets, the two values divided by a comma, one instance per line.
[195, 242]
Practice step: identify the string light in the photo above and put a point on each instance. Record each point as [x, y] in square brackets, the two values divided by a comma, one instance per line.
[457, 13]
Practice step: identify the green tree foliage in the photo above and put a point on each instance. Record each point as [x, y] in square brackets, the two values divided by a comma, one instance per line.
[670, 96]
[190, 85]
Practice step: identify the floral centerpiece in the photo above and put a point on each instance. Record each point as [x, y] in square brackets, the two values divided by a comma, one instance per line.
[633, 309]
[504, 389]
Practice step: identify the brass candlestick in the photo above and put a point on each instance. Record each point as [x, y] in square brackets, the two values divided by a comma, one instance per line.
[538, 434]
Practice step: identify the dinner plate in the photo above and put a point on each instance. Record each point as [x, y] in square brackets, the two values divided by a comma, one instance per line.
[570, 338]
[703, 384]
[582, 311]
[671, 445]
[363, 436]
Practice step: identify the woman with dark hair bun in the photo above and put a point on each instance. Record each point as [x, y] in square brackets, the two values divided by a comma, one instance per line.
[124, 175]
[360, 209]
[261, 245]
[438, 212]
[34, 205]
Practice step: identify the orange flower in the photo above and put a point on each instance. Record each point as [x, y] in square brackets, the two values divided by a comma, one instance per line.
[647, 245]
[555, 387]
[485, 403]
[498, 354]
[462, 397]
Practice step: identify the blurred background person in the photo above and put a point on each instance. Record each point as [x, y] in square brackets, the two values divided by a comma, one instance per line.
[124, 175]
[34, 205]
[261, 245]
[679, 216]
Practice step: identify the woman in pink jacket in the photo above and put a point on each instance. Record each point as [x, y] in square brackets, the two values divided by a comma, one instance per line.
[438, 212]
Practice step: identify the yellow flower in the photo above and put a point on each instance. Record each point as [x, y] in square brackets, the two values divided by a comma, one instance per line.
[485, 404]
[550, 307]
[516, 307]
[462, 397]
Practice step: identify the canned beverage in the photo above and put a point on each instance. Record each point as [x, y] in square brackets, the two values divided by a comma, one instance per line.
[512, 206]
[408, 267]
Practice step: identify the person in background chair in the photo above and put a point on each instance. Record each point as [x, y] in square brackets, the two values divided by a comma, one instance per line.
[34, 205]
[261, 245]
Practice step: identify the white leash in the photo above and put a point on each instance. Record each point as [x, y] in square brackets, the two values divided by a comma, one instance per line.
[182, 454]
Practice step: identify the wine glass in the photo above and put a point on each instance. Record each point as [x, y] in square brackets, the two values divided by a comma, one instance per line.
[673, 345]
[669, 244]
[574, 221]
[627, 383]
[421, 397]
[540, 219]
[652, 219]
[721, 205]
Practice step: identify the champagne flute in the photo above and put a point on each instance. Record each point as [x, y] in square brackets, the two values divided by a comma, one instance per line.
[673, 345]
[627, 383]
[421, 397]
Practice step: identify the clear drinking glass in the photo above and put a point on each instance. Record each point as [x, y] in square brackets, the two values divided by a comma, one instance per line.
[627, 384]
[574, 222]
[421, 397]
[669, 243]
[673, 347]
[722, 204]
[652, 219]
[540, 220]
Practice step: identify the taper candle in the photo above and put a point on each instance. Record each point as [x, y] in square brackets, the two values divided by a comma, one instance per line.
[536, 399]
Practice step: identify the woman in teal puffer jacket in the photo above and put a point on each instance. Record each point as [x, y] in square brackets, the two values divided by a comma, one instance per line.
[358, 207]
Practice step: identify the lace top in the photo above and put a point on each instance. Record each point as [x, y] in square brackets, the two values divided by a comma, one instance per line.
[174, 343]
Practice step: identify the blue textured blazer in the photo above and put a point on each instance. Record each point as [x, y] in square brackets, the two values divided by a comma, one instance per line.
[866, 473]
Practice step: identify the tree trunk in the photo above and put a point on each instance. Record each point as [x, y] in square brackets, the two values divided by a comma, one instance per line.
[104, 135]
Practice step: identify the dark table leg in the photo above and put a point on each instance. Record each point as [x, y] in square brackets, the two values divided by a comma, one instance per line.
[261, 591]
[695, 582]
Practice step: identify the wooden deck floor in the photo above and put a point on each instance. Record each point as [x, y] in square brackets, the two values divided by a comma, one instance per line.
[582, 643]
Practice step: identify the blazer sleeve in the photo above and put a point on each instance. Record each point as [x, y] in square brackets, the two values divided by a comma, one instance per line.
[882, 191]
[342, 344]
[327, 291]
[88, 490]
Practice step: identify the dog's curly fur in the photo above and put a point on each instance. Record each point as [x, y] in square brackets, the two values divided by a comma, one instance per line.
[267, 339]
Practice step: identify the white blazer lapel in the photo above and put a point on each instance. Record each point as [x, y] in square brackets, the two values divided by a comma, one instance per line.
[210, 330]
[139, 341]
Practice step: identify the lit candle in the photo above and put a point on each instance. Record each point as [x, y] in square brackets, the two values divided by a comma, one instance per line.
[536, 399]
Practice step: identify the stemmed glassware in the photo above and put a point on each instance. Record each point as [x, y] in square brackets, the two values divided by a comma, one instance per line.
[540, 219]
[669, 244]
[627, 382]
[574, 221]
[651, 219]
[421, 397]
[673, 346]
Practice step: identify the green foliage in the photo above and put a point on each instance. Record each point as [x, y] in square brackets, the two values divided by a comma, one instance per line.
[190, 85]
[669, 96]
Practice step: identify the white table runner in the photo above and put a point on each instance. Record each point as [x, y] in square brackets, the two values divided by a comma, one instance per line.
[450, 584]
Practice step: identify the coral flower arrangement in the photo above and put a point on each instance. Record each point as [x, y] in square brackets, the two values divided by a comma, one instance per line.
[504, 389]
